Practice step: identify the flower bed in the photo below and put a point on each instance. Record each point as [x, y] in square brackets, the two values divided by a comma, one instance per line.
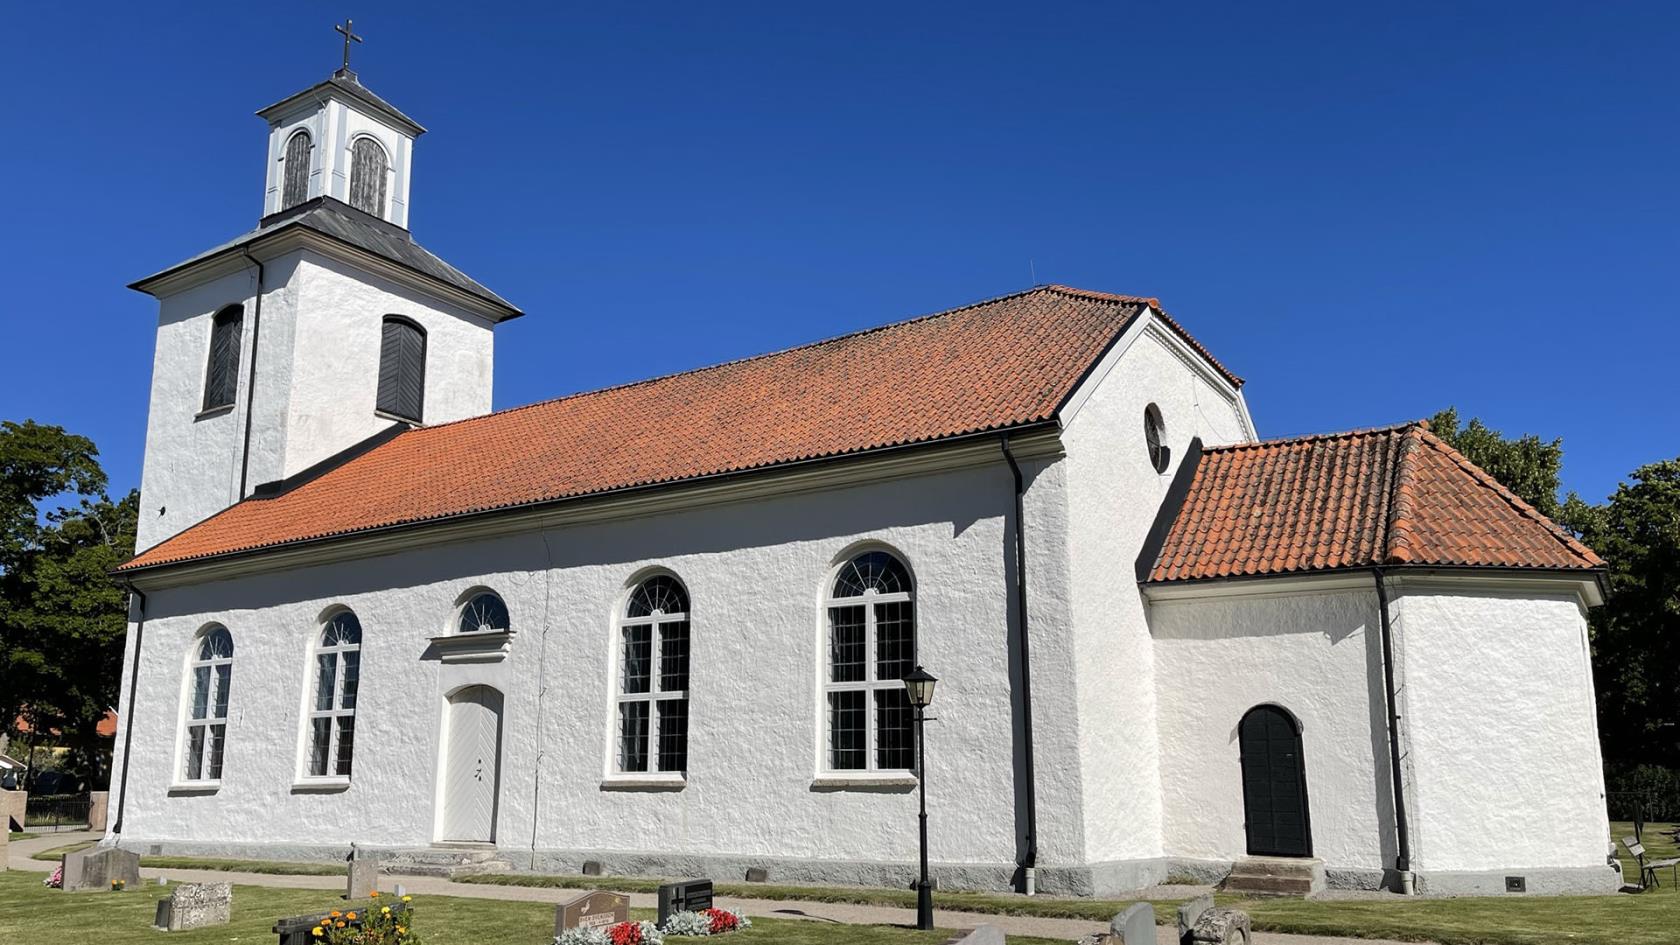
[706, 922]
[377, 924]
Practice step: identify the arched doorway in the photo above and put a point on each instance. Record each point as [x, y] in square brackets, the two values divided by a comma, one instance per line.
[472, 765]
[1274, 782]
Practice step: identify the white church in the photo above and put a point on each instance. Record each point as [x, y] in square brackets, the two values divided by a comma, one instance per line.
[662, 628]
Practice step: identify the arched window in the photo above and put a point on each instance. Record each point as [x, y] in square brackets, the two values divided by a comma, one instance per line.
[210, 675]
[402, 368]
[295, 170]
[871, 648]
[332, 708]
[367, 176]
[221, 375]
[653, 678]
[485, 613]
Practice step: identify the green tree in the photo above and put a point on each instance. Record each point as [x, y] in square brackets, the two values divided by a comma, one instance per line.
[1529, 466]
[62, 619]
[1636, 634]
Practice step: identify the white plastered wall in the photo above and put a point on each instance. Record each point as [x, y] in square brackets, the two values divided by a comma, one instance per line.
[1117, 495]
[1503, 762]
[1318, 655]
[755, 574]
[317, 380]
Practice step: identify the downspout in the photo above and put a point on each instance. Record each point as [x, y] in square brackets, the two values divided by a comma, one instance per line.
[1028, 862]
[1403, 859]
[251, 384]
[128, 717]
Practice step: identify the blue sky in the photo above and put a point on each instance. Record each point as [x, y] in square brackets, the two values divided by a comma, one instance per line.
[1369, 214]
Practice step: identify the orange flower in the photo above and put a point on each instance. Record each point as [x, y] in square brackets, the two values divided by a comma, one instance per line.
[374, 894]
[351, 916]
[340, 923]
[334, 914]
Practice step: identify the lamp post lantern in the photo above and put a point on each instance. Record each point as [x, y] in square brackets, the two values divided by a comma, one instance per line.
[919, 685]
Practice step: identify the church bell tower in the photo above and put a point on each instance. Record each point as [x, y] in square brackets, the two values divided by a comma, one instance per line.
[316, 335]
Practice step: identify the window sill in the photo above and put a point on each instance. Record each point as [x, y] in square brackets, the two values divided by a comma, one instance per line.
[878, 782]
[195, 787]
[397, 417]
[644, 782]
[320, 785]
[209, 412]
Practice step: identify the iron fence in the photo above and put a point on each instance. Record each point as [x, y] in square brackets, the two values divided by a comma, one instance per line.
[57, 810]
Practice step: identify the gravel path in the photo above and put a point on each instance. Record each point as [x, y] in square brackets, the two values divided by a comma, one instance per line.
[837, 913]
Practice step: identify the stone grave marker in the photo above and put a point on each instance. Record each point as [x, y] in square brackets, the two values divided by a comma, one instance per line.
[982, 934]
[195, 905]
[1135, 926]
[684, 895]
[363, 875]
[1189, 913]
[591, 910]
[98, 869]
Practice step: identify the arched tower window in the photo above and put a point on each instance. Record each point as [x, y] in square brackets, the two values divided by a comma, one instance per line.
[295, 170]
[221, 374]
[871, 648]
[653, 678]
[209, 677]
[485, 613]
[402, 368]
[332, 708]
[367, 176]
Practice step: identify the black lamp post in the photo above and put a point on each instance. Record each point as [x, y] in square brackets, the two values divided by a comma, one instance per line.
[919, 685]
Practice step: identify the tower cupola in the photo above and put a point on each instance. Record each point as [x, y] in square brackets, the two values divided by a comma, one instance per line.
[337, 139]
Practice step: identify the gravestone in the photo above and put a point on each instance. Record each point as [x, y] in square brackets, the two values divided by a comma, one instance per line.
[684, 895]
[363, 875]
[195, 906]
[98, 869]
[1189, 913]
[591, 910]
[979, 935]
[1135, 926]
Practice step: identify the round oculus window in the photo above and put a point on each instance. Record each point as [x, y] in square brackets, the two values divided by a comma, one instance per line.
[1155, 436]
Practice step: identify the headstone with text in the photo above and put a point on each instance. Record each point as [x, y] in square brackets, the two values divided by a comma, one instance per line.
[591, 910]
[685, 895]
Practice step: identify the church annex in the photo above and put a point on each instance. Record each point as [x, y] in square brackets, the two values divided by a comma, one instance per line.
[663, 626]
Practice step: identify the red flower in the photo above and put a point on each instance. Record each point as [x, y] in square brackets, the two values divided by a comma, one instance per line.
[625, 933]
[722, 921]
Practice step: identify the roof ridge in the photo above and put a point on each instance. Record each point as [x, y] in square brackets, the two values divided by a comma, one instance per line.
[1402, 499]
[832, 339]
[1311, 437]
[1517, 502]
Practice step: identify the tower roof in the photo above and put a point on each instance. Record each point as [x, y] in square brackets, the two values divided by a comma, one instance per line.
[345, 84]
[346, 225]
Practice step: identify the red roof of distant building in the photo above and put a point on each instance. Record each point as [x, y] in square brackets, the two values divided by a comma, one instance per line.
[1393, 496]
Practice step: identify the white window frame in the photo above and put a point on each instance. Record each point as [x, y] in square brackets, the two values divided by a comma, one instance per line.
[656, 622]
[210, 719]
[336, 711]
[870, 684]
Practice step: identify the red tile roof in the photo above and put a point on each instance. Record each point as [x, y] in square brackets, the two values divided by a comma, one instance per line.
[1393, 496]
[997, 364]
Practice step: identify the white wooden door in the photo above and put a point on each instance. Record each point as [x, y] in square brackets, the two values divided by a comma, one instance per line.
[472, 766]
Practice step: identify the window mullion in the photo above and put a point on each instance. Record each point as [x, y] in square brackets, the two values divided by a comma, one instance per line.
[869, 688]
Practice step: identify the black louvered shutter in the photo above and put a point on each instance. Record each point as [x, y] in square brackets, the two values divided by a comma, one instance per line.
[402, 370]
[221, 378]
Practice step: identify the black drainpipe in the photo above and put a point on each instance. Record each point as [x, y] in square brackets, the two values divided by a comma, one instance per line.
[1403, 861]
[1029, 860]
[251, 385]
[128, 717]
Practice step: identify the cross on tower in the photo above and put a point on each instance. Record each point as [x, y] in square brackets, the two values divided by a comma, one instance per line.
[349, 38]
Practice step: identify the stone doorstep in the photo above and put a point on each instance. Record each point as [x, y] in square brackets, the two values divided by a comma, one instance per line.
[449, 861]
[1275, 876]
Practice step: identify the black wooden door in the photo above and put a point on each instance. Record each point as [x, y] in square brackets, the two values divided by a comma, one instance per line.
[1274, 784]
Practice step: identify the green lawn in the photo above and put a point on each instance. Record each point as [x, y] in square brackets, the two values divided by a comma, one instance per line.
[271, 867]
[29, 912]
[21, 835]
